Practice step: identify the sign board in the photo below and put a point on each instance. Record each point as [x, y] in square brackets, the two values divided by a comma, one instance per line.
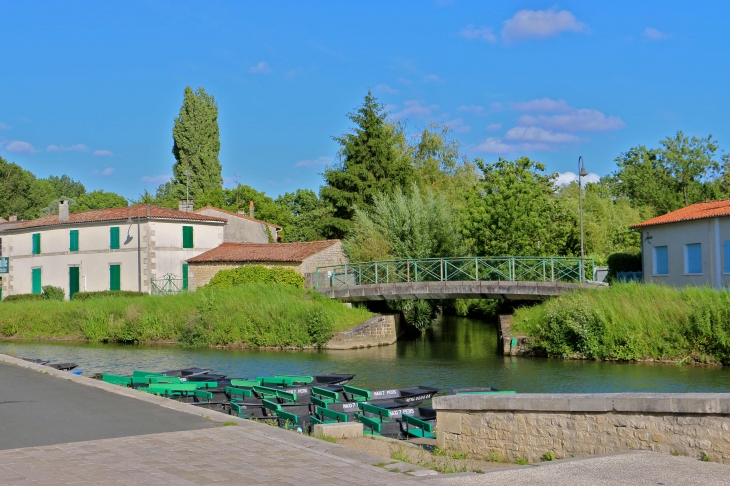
[4, 264]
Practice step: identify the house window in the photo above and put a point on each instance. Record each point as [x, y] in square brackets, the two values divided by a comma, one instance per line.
[185, 276]
[188, 237]
[693, 258]
[36, 278]
[73, 244]
[114, 238]
[661, 261]
[36, 243]
[115, 277]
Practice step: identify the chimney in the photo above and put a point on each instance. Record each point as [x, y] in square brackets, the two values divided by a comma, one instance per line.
[250, 209]
[63, 211]
[13, 217]
[185, 206]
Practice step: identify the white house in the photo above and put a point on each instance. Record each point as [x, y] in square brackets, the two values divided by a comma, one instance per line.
[129, 248]
[690, 246]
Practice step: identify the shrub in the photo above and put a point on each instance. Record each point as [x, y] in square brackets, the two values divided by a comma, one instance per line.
[108, 293]
[54, 293]
[252, 274]
[622, 262]
[23, 297]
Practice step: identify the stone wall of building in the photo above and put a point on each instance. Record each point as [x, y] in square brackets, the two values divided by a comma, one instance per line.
[200, 274]
[378, 331]
[333, 255]
[570, 425]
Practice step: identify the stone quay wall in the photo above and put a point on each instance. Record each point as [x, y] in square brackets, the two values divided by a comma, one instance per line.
[380, 330]
[527, 426]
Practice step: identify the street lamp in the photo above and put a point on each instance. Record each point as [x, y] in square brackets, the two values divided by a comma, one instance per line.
[139, 249]
[581, 173]
[187, 189]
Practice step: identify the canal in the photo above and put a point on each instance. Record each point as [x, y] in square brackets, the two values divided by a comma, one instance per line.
[456, 352]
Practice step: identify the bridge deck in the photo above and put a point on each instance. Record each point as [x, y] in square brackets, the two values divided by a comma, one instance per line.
[484, 289]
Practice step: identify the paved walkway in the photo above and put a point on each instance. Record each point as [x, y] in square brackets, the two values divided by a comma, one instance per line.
[630, 469]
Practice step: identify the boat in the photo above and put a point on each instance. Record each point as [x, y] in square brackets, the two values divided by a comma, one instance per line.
[55, 366]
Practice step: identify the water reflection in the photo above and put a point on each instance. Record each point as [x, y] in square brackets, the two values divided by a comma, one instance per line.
[456, 352]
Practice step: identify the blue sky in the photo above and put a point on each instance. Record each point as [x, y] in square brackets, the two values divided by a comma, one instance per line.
[91, 88]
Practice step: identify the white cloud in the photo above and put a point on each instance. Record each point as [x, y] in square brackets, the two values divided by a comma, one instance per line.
[319, 161]
[476, 109]
[653, 34]
[494, 126]
[19, 147]
[261, 68]
[482, 33]
[405, 81]
[107, 172]
[414, 108]
[432, 78]
[386, 89]
[102, 153]
[583, 120]
[540, 24]
[4, 126]
[565, 178]
[79, 147]
[544, 104]
[458, 126]
[537, 134]
[495, 145]
[160, 179]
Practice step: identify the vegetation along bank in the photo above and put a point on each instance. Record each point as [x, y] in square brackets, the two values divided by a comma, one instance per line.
[632, 322]
[249, 315]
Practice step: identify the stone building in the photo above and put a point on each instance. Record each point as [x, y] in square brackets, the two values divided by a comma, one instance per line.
[242, 227]
[690, 246]
[303, 257]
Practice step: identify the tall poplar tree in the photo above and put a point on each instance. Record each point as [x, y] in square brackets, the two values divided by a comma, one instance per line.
[373, 160]
[196, 148]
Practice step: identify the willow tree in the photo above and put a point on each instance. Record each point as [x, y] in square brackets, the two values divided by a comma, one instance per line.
[196, 147]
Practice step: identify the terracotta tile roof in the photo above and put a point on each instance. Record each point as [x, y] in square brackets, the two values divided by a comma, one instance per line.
[242, 216]
[709, 209]
[143, 211]
[263, 252]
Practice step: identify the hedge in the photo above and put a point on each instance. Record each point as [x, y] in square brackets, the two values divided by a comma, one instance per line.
[107, 293]
[256, 274]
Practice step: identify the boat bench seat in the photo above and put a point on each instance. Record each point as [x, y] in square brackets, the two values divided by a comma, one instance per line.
[422, 428]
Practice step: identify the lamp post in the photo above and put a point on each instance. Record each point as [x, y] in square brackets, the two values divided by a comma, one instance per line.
[139, 252]
[187, 189]
[581, 173]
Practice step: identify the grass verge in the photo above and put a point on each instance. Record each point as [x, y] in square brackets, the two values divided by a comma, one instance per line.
[632, 322]
[256, 315]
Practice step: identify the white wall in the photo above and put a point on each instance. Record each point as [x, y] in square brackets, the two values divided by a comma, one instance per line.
[710, 233]
[163, 255]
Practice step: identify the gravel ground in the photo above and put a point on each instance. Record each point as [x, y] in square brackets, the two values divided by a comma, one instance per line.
[413, 454]
[630, 469]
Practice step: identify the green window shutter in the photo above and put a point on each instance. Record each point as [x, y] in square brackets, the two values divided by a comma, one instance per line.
[114, 238]
[74, 240]
[185, 276]
[115, 277]
[36, 243]
[73, 281]
[37, 285]
[188, 237]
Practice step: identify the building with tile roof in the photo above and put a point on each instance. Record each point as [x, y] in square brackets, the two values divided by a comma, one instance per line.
[689, 246]
[242, 227]
[304, 257]
[127, 248]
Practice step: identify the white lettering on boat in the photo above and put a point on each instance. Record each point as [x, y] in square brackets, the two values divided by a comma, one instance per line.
[385, 393]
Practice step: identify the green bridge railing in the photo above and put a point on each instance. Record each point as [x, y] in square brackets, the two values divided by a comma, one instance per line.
[508, 268]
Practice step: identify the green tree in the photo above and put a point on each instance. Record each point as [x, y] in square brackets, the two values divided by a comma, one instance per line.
[66, 187]
[514, 210]
[373, 160]
[196, 147]
[310, 216]
[99, 199]
[690, 162]
[21, 193]
[419, 224]
[165, 196]
[265, 209]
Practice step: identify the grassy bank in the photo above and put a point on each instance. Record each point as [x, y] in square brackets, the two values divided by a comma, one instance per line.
[249, 315]
[632, 322]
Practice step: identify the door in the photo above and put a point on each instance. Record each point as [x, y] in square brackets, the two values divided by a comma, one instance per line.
[185, 276]
[115, 277]
[73, 281]
[37, 287]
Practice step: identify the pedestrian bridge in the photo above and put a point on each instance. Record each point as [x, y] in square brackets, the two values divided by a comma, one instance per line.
[515, 278]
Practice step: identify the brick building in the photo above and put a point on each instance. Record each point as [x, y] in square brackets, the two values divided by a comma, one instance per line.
[303, 257]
